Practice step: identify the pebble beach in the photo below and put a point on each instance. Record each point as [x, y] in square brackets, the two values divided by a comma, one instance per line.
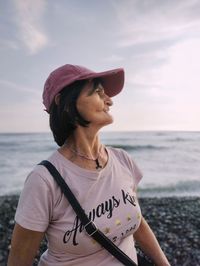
[174, 220]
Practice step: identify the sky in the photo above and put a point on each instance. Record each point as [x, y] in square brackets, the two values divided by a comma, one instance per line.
[156, 42]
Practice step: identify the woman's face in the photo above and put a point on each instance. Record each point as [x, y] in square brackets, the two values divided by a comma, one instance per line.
[93, 104]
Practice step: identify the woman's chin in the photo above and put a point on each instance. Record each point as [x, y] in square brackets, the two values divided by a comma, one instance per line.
[109, 121]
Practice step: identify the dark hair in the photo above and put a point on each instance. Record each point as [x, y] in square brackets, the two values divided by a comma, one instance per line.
[64, 117]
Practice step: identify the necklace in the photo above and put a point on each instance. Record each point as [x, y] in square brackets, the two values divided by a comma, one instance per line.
[85, 156]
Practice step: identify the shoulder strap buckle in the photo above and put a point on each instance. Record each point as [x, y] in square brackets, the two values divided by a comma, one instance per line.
[90, 228]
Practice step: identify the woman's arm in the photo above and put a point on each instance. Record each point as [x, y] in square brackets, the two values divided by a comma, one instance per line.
[149, 244]
[24, 246]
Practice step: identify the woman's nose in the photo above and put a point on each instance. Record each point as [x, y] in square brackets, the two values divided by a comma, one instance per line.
[108, 100]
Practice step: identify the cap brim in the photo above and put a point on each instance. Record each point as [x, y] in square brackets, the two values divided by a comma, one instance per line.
[112, 80]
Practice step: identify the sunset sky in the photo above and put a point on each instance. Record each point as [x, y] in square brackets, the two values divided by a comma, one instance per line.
[156, 42]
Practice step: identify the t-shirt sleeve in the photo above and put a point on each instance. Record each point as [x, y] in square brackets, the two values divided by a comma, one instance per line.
[136, 173]
[35, 205]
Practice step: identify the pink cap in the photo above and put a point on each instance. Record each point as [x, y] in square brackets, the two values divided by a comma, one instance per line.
[112, 81]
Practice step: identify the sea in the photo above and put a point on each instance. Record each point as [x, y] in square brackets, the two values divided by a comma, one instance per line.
[168, 160]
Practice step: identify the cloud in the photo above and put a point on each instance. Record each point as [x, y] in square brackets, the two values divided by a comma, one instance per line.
[153, 21]
[29, 21]
[14, 95]
[181, 74]
[113, 58]
[157, 38]
[17, 87]
[8, 44]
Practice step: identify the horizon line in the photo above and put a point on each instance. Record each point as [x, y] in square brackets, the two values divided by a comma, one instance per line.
[106, 131]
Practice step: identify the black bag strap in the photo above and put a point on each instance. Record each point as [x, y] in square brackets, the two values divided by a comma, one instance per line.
[89, 225]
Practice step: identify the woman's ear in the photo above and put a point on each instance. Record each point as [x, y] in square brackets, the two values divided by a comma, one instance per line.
[57, 99]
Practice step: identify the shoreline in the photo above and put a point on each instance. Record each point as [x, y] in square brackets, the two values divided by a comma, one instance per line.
[174, 220]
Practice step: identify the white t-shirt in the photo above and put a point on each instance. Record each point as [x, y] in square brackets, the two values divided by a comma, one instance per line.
[107, 196]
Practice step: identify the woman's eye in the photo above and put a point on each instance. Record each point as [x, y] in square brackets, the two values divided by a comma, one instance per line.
[100, 91]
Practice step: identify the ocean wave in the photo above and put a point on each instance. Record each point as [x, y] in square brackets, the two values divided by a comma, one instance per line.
[180, 139]
[11, 145]
[190, 188]
[138, 147]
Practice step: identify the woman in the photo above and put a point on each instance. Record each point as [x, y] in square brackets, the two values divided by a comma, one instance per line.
[103, 179]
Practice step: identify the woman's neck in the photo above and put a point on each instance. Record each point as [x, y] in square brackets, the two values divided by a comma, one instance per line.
[85, 142]
[85, 150]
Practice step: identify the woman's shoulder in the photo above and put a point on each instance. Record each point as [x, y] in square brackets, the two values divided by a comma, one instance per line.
[119, 152]
[40, 174]
[126, 160]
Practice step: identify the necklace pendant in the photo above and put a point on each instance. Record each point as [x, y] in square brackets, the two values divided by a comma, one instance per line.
[98, 166]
